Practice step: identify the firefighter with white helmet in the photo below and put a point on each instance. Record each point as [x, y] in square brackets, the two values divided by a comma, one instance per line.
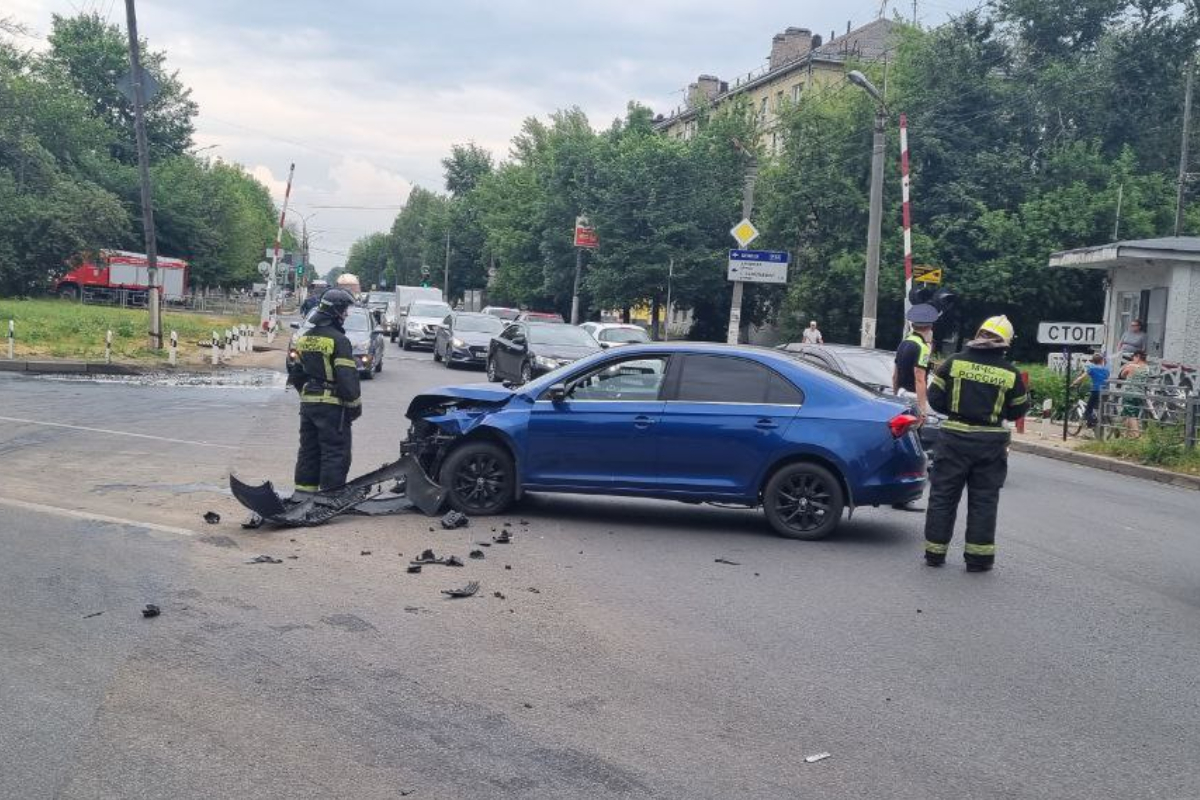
[978, 389]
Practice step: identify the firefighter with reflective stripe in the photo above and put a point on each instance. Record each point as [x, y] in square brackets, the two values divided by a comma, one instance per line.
[325, 375]
[978, 390]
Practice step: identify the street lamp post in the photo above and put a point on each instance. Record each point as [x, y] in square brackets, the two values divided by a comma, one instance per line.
[875, 214]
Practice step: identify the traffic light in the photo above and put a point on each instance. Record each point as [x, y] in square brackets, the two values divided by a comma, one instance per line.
[921, 294]
[943, 299]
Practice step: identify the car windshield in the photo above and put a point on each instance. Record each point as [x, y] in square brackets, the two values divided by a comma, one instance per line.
[560, 334]
[624, 335]
[428, 310]
[379, 298]
[872, 367]
[481, 324]
[357, 321]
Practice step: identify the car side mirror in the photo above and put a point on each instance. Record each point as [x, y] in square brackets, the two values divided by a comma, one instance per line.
[605, 345]
[295, 326]
[558, 392]
[519, 341]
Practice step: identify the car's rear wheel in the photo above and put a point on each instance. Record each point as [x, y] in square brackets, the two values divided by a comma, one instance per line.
[491, 370]
[404, 345]
[480, 478]
[804, 501]
[366, 374]
[526, 372]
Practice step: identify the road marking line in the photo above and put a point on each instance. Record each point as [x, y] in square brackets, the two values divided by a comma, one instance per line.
[115, 433]
[90, 517]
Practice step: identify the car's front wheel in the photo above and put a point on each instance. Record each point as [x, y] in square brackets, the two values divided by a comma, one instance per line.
[379, 363]
[491, 370]
[480, 478]
[804, 501]
[526, 372]
[437, 354]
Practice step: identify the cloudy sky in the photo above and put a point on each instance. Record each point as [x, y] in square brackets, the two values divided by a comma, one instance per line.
[367, 97]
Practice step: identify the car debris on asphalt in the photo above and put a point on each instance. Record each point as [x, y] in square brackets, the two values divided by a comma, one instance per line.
[504, 538]
[255, 521]
[815, 757]
[93, 614]
[499, 595]
[265, 560]
[151, 610]
[414, 568]
[428, 557]
[465, 591]
[364, 552]
[212, 517]
[476, 554]
[727, 561]
[455, 519]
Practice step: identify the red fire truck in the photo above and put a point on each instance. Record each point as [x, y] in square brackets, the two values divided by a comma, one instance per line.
[107, 273]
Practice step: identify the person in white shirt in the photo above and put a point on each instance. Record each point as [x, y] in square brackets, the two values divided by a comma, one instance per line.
[812, 335]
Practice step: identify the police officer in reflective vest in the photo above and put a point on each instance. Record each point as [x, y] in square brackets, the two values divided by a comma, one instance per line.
[325, 375]
[977, 389]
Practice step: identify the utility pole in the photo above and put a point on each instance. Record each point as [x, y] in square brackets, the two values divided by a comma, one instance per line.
[670, 280]
[139, 125]
[446, 288]
[733, 335]
[1183, 147]
[874, 221]
[268, 305]
[575, 286]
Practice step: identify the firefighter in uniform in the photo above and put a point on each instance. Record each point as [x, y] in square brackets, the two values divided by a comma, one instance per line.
[977, 389]
[325, 375]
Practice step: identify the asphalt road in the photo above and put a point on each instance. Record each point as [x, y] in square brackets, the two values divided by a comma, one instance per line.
[638, 668]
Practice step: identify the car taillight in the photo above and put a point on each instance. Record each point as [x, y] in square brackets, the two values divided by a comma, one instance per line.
[902, 424]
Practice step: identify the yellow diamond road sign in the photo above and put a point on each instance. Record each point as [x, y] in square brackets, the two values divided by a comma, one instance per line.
[744, 232]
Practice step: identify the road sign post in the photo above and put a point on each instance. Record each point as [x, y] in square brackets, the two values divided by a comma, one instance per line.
[585, 239]
[743, 233]
[758, 266]
[1068, 335]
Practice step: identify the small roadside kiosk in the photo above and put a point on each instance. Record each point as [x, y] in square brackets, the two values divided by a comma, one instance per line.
[1154, 281]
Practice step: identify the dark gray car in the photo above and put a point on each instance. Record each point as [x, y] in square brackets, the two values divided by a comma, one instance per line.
[365, 339]
[870, 366]
[463, 338]
[528, 349]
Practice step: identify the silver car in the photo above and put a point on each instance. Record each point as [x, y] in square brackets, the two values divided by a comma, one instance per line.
[421, 323]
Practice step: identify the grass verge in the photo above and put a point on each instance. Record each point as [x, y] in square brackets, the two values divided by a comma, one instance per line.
[1158, 446]
[62, 329]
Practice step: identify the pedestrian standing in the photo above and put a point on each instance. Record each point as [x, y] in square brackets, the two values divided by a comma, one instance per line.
[326, 376]
[812, 334]
[1133, 377]
[1097, 373]
[978, 389]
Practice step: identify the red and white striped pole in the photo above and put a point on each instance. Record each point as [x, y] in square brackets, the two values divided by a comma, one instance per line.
[904, 187]
[268, 307]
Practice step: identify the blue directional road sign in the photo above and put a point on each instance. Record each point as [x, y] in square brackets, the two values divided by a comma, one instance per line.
[758, 266]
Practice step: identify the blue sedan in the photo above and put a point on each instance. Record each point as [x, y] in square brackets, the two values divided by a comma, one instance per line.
[688, 421]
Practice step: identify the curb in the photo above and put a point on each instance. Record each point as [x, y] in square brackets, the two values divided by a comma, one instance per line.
[1110, 465]
[71, 368]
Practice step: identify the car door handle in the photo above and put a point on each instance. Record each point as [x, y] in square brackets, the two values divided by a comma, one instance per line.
[766, 424]
[641, 421]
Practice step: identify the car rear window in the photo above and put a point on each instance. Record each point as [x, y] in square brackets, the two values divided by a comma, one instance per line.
[624, 335]
[726, 379]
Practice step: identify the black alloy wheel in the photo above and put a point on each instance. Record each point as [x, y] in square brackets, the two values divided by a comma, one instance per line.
[480, 478]
[491, 369]
[803, 501]
[526, 372]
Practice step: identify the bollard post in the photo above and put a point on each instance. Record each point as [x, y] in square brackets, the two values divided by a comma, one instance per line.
[1047, 411]
[245, 338]
[10, 340]
[216, 350]
[108, 348]
[235, 343]
[174, 347]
